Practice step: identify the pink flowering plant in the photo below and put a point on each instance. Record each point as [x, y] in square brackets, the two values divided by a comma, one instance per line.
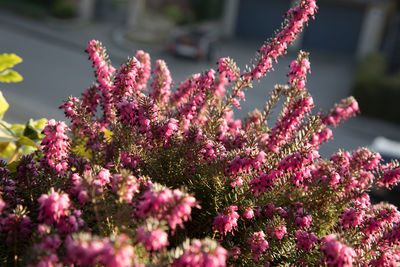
[170, 178]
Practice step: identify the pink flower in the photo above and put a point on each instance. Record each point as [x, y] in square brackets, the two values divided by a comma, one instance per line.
[270, 51]
[248, 213]
[386, 258]
[336, 253]
[351, 217]
[305, 241]
[104, 72]
[50, 243]
[288, 123]
[169, 129]
[55, 145]
[224, 66]
[125, 81]
[390, 176]
[298, 72]
[204, 253]
[16, 227]
[121, 256]
[129, 160]
[280, 231]
[258, 244]
[154, 239]
[346, 108]
[2, 205]
[162, 203]
[102, 179]
[90, 99]
[126, 185]
[161, 84]
[303, 221]
[90, 251]
[227, 222]
[144, 72]
[53, 207]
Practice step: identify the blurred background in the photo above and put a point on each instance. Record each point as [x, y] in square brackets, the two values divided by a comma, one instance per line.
[354, 46]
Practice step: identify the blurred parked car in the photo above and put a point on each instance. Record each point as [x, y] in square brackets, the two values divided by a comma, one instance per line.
[195, 42]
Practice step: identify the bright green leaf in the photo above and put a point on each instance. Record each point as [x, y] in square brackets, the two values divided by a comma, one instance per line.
[23, 140]
[108, 134]
[12, 167]
[39, 124]
[6, 135]
[6, 124]
[25, 150]
[10, 76]
[17, 129]
[7, 149]
[33, 129]
[30, 131]
[80, 149]
[3, 105]
[8, 61]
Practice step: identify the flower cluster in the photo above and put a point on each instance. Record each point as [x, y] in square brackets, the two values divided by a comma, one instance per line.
[336, 253]
[152, 175]
[55, 145]
[163, 203]
[277, 47]
[258, 245]
[226, 223]
[153, 239]
[206, 253]
[89, 251]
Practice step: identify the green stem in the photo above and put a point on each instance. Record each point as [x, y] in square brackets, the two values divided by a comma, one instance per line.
[96, 212]
[15, 155]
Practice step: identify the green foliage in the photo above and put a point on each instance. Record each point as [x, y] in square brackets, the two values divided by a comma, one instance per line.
[40, 9]
[8, 61]
[16, 139]
[63, 9]
[207, 9]
[176, 14]
[33, 9]
[10, 76]
[376, 91]
[3, 105]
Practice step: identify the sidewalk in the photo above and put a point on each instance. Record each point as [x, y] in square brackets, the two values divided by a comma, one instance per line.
[329, 81]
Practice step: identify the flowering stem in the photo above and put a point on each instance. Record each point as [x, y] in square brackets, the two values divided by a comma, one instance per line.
[96, 212]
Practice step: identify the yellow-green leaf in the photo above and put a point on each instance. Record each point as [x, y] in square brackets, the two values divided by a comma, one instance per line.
[8, 61]
[10, 76]
[12, 167]
[6, 135]
[108, 134]
[80, 149]
[25, 150]
[33, 129]
[7, 149]
[3, 105]
[17, 129]
[39, 124]
[23, 140]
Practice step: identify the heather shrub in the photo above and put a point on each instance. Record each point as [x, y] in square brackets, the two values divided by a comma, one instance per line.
[171, 178]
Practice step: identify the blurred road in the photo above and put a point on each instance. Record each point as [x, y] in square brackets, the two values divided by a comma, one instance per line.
[55, 66]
